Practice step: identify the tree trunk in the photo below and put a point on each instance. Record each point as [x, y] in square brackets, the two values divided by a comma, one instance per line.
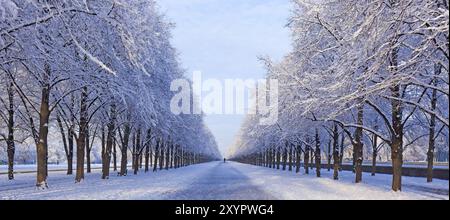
[317, 155]
[147, 149]
[172, 156]
[64, 140]
[269, 159]
[106, 157]
[167, 153]
[374, 162]
[42, 146]
[79, 174]
[358, 145]
[155, 162]
[88, 150]
[88, 160]
[114, 155]
[124, 150]
[178, 156]
[306, 159]
[137, 151]
[183, 157]
[341, 151]
[81, 140]
[397, 127]
[70, 160]
[150, 156]
[273, 157]
[11, 148]
[278, 158]
[374, 154]
[297, 160]
[136, 164]
[147, 157]
[266, 157]
[103, 142]
[285, 154]
[397, 163]
[290, 157]
[133, 151]
[162, 152]
[397, 141]
[175, 157]
[336, 156]
[70, 143]
[432, 129]
[261, 159]
[329, 155]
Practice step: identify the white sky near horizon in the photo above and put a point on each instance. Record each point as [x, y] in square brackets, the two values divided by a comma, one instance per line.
[223, 39]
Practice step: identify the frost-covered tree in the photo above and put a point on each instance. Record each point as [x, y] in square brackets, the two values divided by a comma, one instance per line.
[372, 68]
[96, 71]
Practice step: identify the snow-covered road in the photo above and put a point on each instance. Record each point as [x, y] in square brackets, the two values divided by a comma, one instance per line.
[222, 181]
[216, 180]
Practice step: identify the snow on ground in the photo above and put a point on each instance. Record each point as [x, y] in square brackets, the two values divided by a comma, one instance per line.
[145, 186]
[217, 180]
[291, 186]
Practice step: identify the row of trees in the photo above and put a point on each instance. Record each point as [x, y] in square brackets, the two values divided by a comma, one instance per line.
[369, 74]
[94, 71]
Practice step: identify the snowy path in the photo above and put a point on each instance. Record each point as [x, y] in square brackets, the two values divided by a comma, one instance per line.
[222, 182]
[217, 180]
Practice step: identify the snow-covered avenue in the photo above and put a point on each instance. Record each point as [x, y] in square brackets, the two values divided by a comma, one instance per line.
[221, 181]
[224, 100]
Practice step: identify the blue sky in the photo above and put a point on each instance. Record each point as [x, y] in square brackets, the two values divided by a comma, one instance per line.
[222, 39]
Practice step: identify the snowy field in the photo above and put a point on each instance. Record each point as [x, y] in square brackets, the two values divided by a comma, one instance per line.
[217, 180]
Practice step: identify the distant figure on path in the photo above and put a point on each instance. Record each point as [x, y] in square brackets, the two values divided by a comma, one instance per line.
[224, 160]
